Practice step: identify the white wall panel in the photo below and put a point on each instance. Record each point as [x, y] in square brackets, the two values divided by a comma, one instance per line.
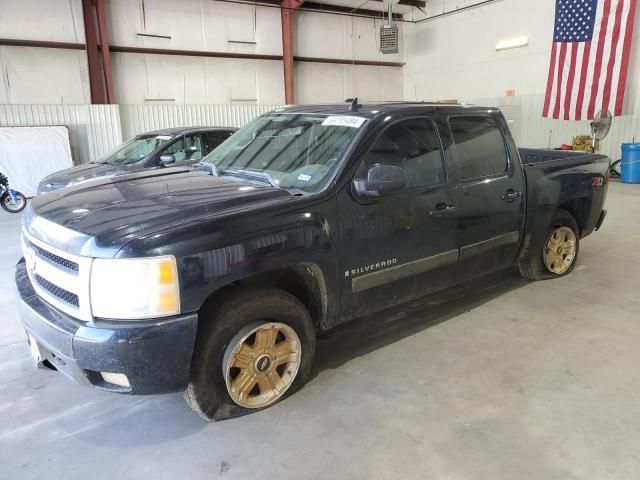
[539, 132]
[143, 118]
[339, 36]
[43, 75]
[140, 79]
[195, 25]
[52, 20]
[93, 129]
[368, 83]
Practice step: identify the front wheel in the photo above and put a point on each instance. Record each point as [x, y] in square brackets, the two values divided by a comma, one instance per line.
[253, 348]
[559, 253]
[13, 206]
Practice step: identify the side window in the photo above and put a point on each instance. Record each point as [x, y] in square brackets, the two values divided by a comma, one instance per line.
[413, 145]
[188, 148]
[213, 139]
[480, 148]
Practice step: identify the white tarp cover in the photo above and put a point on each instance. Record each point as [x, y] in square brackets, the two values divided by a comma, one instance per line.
[27, 154]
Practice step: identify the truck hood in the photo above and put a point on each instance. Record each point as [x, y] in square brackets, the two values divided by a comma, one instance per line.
[82, 173]
[101, 216]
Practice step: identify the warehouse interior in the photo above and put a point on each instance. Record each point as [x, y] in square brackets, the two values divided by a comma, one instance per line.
[496, 376]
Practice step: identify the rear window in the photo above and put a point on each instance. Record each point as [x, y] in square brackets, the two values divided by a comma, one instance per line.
[480, 148]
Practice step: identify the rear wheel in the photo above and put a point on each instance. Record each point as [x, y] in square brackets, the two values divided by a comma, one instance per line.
[253, 349]
[559, 253]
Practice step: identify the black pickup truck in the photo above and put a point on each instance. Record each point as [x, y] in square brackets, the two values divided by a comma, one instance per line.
[217, 280]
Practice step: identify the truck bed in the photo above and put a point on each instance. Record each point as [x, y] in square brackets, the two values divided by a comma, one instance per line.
[531, 156]
[573, 181]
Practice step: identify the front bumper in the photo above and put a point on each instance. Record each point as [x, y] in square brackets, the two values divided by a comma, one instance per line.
[155, 355]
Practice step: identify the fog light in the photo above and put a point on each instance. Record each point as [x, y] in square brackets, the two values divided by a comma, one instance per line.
[119, 379]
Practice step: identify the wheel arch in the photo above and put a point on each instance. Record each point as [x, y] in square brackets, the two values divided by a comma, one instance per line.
[305, 281]
[579, 209]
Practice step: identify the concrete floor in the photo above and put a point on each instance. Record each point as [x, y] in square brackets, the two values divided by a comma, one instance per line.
[504, 380]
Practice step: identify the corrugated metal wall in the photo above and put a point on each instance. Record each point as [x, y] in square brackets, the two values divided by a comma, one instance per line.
[96, 129]
[538, 132]
[93, 129]
[143, 118]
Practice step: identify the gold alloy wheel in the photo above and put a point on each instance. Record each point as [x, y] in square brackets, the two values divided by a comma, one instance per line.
[261, 364]
[560, 251]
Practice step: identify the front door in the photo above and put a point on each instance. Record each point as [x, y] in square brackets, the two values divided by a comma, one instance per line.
[402, 244]
[490, 195]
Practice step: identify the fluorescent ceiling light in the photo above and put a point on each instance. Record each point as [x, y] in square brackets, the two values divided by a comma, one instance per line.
[517, 42]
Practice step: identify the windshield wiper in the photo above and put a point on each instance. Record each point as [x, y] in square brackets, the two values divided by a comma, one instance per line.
[251, 175]
[211, 166]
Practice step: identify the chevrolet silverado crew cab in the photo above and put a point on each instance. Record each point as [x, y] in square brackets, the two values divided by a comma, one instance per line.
[171, 146]
[217, 280]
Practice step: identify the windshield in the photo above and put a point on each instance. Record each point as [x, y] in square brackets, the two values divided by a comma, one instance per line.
[293, 151]
[136, 149]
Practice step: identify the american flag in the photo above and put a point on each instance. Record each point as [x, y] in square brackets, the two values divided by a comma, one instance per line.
[589, 58]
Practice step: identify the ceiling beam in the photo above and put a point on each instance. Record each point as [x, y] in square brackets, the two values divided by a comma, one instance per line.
[408, 3]
[325, 8]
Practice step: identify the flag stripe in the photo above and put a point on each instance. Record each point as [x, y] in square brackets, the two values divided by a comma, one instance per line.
[592, 56]
[552, 70]
[626, 53]
[617, 54]
[597, 71]
[606, 55]
[576, 80]
[612, 57]
[571, 76]
[562, 58]
[583, 80]
[555, 89]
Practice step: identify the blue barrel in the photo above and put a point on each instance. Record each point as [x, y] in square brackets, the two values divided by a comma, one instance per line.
[630, 163]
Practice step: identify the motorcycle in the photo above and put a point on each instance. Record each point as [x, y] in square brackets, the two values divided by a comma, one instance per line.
[10, 200]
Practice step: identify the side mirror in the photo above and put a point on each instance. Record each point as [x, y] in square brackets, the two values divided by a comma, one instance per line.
[167, 159]
[381, 180]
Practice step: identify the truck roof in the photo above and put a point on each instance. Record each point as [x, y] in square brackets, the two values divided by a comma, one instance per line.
[371, 110]
[181, 130]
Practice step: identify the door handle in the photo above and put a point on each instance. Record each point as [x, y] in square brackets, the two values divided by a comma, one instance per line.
[510, 195]
[442, 210]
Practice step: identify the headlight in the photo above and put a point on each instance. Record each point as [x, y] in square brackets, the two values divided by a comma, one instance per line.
[135, 288]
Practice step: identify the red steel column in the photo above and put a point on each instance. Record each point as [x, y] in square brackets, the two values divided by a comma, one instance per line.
[104, 50]
[96, 84]
[286, 12]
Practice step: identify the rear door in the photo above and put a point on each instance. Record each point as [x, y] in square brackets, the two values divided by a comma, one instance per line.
[400, 245]
[490, 192]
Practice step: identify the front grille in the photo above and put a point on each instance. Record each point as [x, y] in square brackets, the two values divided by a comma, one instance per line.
[58, 292]
[55, 259]
[58, 277]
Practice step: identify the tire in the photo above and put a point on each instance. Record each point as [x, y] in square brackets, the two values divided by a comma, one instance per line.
[537, 267]
[224, 327]
[8, 205]
[615, 167]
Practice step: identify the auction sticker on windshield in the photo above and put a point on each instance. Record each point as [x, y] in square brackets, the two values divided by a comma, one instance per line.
[344, 121]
